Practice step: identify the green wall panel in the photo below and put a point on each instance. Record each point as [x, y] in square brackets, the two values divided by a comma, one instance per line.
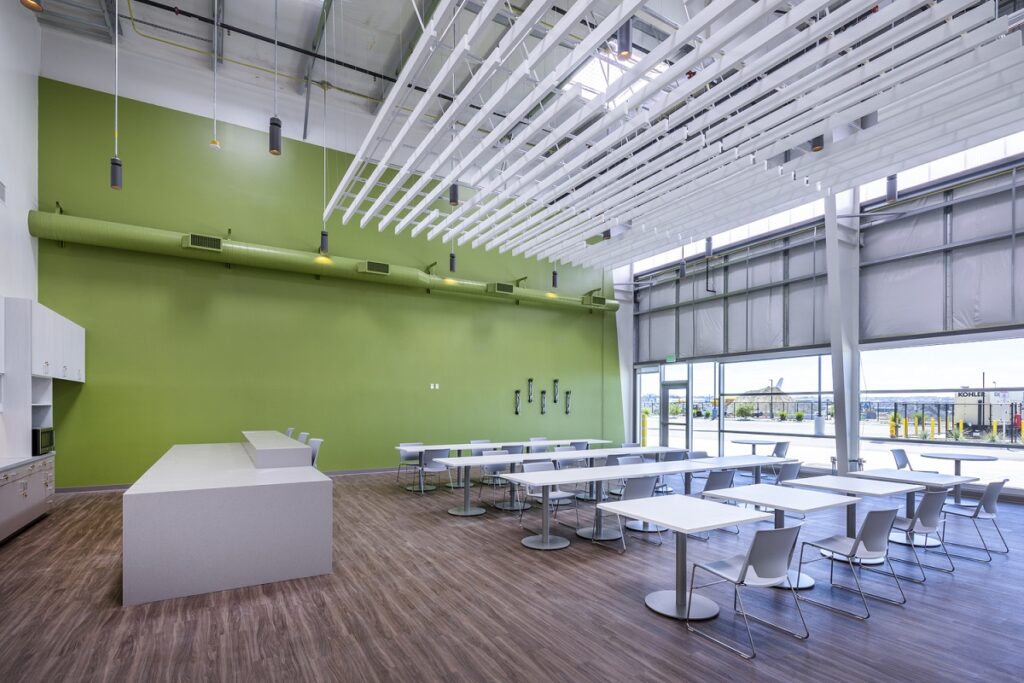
[189, 352]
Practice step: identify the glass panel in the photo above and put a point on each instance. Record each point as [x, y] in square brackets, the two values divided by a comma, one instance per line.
[673, 416]
[676, 372]
[648, 391]
[947, 366]
[705, 408]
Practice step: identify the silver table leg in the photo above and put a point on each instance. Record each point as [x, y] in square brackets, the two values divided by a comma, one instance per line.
[589, 495]
[458, 483]
[467, 509]
[598, 532]
[546, 540]
[672, 603]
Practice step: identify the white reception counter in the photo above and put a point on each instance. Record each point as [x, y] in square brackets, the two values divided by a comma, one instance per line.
[205, 518]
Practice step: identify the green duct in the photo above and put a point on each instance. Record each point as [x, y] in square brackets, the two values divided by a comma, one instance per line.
[97, 233]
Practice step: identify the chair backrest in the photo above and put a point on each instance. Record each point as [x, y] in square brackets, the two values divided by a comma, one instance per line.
[929, 510]
[902, 461]
[639, 487]
[514, 449]
[564, 449]
[630, 459]
[673, 456]
[696, 455]
[478, 451]
[787, 472]
[537, 466]
[431, 454]
[719, 479]
[580, 445]
[288, 432]
[781, 448]
[498, 452]
[990, 497]
[631, 445]
[873, 535]
[770, 553]
[314, 444]
[303, 436]
[537, 449]
[613, 460]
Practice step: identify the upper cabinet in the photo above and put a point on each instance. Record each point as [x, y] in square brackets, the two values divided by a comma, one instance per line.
[58, 346]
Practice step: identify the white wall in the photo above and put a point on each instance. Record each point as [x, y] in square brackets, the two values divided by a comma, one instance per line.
[19, 71]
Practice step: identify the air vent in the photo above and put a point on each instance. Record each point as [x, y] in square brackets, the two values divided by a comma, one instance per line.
[375, 267]
[204, 242]
[501, 288]
[594, 300]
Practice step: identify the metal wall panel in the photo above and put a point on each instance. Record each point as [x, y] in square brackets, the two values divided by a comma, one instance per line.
[982, 285]
[902, 298]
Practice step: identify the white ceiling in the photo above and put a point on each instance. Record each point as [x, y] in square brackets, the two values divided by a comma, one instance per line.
[720, 139]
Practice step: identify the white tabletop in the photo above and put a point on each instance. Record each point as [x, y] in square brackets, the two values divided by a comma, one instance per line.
[684, 514]
[912, 477]
[267, 439]
[976, 457]
[755, 442]
[781, 498]
[861, 487]
[211, 466]
[486, 460]
[495, 445]
[650, 469]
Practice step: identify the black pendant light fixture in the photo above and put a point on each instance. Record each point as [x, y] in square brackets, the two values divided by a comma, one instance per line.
[451, 259]
[818, 143]
[214, 142]
[453, 194]
[116, 170]
[554, 279]
[891, 193]
[624, 40]
[275, 123]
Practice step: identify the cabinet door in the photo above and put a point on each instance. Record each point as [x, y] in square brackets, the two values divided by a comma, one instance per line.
[42, 340]
[75, 352]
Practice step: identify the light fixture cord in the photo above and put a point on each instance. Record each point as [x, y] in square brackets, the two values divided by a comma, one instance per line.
[216, 30]
[327, 40]
[275, 58]
[117, 5]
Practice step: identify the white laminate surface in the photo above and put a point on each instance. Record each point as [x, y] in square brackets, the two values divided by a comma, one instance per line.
[14, 463]
[588, 474]
[684, 514]
[274, 449]
[756, 442]
[912, 477]
[857, 486]
[966, 457]
[782, 498]
[497, 445]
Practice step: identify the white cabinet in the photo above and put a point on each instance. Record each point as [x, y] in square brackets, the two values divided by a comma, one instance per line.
[26, 492]
[58, 346]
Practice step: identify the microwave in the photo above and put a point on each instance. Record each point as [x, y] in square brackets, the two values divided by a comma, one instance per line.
[42, 441]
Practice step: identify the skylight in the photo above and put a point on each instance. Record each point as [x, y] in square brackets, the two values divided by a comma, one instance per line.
[598, 73]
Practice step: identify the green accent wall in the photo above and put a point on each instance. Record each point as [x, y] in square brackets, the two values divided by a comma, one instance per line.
[180, 351]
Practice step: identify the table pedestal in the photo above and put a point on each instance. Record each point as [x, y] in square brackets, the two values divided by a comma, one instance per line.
[672, 603]
[467, 509]
[598, 532]
[545, 540]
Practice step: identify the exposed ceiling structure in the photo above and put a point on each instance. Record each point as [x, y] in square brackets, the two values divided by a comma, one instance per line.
[726, 111]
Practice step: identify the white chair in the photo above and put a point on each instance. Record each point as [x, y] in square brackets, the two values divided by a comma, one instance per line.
[637, 487]
[717, 480]
[926, 522]
[580, 445]
[765, 565]
[314, 444]
[697, 455]
[407, 459]
[303, 436]
[619, 488]
[556, 493]
[289, 432]
[568, 465]
[479, 451]
[537, 449]
[871, 543]
[669, 456]
[431, 467]
[491, 475]
[987, 508]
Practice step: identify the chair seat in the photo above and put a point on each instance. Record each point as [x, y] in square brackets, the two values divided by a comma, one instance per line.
[966, 511]
[557, 494]
[730, 568]
[844, 545]
[431, 468]
[903, 524]
[409, 457]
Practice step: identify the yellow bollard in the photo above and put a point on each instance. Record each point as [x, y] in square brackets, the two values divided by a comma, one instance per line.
[906, 434]
[995, 429]
[961, 429]
[932, 436]
[643, 429]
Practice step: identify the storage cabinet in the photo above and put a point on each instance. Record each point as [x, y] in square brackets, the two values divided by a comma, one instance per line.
[26, 492]
[58, 346]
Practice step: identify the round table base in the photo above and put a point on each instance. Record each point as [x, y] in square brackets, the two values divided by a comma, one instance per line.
[798, 580]
[415, 488]
[453, 485]
[616, 490]
[607, 534]
[842, 558]
[664, 603]
[512, 507]
[559, 502]
[466, 512]
[553, 543]
[645, 527]
[589, 497]
[664, 488]
[919, 540]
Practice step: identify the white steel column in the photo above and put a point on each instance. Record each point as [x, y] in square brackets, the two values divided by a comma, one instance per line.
[842, 258]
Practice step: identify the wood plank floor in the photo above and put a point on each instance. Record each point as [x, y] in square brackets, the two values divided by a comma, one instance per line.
[419, 595]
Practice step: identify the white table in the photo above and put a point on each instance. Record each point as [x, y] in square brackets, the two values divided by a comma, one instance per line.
[274, 449]
[754, 443]
[851, 486]
[683, 515]
[957, 458]
[925, 479]
[203, 518]
[550, 478]
[783, 500]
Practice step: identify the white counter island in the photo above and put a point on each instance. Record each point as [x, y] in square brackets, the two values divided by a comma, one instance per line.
[204, 518]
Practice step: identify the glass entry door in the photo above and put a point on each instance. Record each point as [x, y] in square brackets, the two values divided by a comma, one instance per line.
[674, 415]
